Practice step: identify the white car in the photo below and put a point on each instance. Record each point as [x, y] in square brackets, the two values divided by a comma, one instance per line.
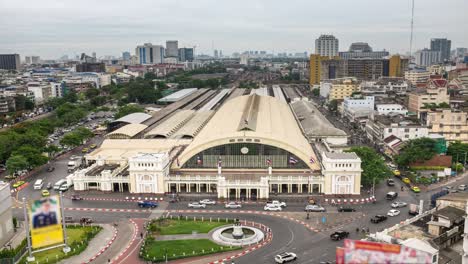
[277, 203]
[399, 204]
[271, 207]
[207, 201]
[462, 187]
[233, 205]
[196, 205]
[285, 257]
[393, 212]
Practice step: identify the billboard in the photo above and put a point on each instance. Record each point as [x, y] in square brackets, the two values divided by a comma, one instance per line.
[45, 222]
[358, 252]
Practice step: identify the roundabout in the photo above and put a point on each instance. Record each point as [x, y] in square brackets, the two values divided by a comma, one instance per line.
[237, 235]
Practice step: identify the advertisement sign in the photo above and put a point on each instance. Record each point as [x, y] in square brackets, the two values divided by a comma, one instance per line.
[45, 222]
[365, 252]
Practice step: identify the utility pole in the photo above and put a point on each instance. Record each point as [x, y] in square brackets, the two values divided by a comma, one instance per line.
[411, 36]
[373, 186]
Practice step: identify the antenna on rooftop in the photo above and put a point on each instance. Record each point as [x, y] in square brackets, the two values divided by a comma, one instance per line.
[411, 36]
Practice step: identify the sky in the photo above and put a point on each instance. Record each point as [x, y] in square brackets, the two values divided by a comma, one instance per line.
[52, 28]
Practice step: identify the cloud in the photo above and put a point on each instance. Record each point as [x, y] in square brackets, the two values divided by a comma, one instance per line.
[52, 27]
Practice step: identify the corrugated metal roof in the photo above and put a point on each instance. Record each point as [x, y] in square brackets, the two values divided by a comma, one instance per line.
[171, 125]
[134, 118]
[192, 127]
[128, 131]
[174, 97]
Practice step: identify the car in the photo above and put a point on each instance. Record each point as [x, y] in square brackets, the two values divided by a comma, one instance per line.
[390, 182]
[10, 177]
[45, 193]
[285, 257]
[147, 204]
[50, 169]
[406, 180]
[85, 150]
[76, 197]
[399, 204]
[92, 146]
[391, 195]
[271, 207]
[196, 205]
[448, 188]
[49, 186]
[346, 209]
[378, 218]
[314, 208]
[207, 201]
[396, 172]
[462, 187]
[338, 235]
[393, 212]
[74, 157]
[415, 189]
[233, 205]
[18, 184]
[276, 202]
[453, 191]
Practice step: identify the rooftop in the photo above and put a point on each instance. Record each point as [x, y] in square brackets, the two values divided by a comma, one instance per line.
[178, 95]
[134, 118]
[450, 212]
[129, 131]
[341, 155]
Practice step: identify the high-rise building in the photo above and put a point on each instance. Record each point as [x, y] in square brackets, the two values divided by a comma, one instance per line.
[315, 69]
[185, 54]
[94, 55]
[35, 59]
[27, 59]
[126, 56]
[443, 45]
[172, 48]
[427, 57]
[216, 55]
[397, 66]
[326, 45]
[10, 61]
[150, 54]
[360, 47]
[362, 50]
[91, 67]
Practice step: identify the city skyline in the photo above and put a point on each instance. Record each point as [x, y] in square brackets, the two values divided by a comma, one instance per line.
[50, 29]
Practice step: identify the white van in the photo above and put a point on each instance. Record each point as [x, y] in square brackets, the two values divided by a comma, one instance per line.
[38, 184]
[58, 184]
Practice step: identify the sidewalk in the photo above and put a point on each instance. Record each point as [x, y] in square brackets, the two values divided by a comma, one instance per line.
[95, 245]
[129, 254]
[451, 180]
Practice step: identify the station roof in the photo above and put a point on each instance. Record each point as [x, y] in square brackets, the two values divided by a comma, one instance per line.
[134, 118]
[171, 125]
[193, 127]
[254, 118]
[115, 150]
[313, 122]
[129, 131]
[174, 97]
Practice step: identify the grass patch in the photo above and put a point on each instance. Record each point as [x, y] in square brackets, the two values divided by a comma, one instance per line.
[78, 238]
[175, 249]
[178, 227]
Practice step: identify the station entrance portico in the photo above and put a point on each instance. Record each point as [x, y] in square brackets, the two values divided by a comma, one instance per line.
[243, 193]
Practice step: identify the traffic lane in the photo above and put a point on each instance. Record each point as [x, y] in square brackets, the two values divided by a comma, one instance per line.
[287, 236]
[98, 217]
[99, 204]
[291, 207]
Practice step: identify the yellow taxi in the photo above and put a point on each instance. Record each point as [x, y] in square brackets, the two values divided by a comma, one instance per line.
[406, 180]
[85, 150]
[415, 189]
[396, 173]
[18, 184]
[45, 193]
[92, 146]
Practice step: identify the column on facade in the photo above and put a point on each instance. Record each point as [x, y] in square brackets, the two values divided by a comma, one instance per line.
[299, 189]
[289, 188]
[280, 188]
[208, 188]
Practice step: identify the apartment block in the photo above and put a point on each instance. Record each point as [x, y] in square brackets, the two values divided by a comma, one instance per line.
[452, 125]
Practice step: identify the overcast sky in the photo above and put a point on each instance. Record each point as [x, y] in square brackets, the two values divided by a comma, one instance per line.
[53, 28]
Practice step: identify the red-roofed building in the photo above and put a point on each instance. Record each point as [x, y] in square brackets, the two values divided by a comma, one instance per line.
[436, 161]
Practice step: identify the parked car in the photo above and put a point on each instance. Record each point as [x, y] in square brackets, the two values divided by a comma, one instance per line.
[399, 204]
[390, 182]
[448, 188]
[346, 209]
[85, 150]
[285, 257]
[207, 201]
[338, 235]
[396, 173]
[233, 205]
[378, 218]
[196, 205]
[462, 187]
[272, 207]
[147, 204]
[393, 212]
[76, 197]
[45, 193]
[18, 184]
[314, 208]
[92, 146]
[415, 189]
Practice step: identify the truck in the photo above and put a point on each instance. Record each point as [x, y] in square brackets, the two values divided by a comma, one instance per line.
[74, 164]
[413, 209]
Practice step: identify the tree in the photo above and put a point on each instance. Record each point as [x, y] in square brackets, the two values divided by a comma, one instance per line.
[51, 150]
[150, 76]
[23, 103]
[458, 151]
[420, 149]
[316, 92]
[71, 140]
[16, 163]
[91, 93]
[33, 155]
[98, 101]
[333, 105]
[128, 109]
[373, 167]
[84, 133]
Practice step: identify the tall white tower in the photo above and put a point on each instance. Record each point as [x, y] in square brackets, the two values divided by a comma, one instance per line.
[326, 45]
